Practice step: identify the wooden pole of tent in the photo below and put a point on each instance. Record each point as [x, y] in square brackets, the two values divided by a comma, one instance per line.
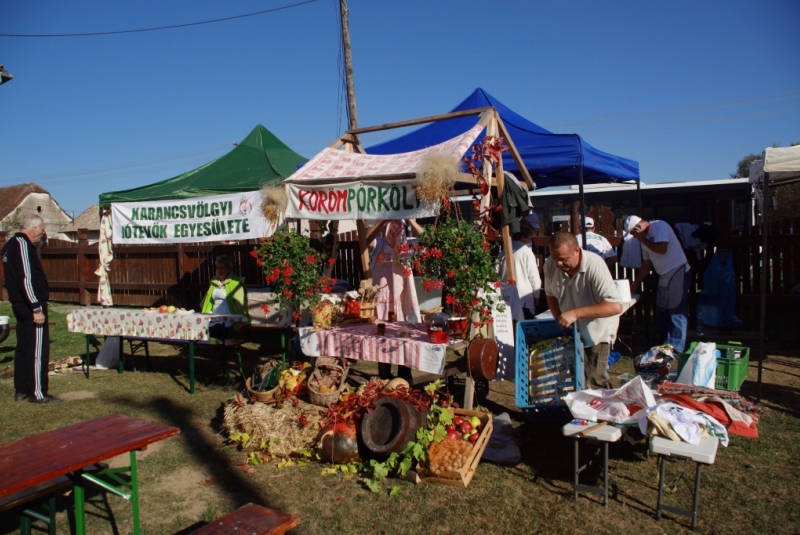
[493, 130]
[762, 323]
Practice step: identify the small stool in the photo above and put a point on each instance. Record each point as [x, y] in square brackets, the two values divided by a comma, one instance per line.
[703, 453]
[604, 434]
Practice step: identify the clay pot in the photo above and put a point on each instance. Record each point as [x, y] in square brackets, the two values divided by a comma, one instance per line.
[338, 444]
[390, 426]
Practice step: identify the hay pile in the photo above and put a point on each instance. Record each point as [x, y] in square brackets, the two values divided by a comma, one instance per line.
[280, 423]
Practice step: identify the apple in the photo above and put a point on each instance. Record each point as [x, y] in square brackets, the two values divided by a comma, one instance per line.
[465, 427]
[457, 420]
[162, 308]
[450, 428]
[454, 435]
[466, 436]
[171, 309]
[475, 421]
[473, 438]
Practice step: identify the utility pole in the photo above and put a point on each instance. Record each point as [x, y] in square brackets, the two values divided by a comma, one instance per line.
[348, 66]
[332, 240]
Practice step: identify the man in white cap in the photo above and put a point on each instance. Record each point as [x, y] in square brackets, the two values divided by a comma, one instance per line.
[662, 252]
[598, 244]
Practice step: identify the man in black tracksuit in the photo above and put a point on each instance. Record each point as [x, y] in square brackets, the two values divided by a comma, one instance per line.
[28, 292]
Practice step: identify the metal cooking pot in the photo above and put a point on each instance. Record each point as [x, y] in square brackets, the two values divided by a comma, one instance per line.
[482, 358]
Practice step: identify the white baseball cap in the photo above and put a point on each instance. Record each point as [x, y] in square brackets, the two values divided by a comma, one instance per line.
[631, 222]
[589, 222]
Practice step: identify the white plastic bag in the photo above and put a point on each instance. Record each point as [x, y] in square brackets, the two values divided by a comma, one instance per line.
[109, 354]
[701, 368]
[611, 405]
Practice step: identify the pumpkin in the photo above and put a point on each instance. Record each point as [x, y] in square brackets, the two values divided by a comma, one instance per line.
[338, 444]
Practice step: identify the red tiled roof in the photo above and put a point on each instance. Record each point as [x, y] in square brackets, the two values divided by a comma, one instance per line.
[12, 196]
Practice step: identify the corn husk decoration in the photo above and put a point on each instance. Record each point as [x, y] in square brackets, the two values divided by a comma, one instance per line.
[274, 203]
[435, 177]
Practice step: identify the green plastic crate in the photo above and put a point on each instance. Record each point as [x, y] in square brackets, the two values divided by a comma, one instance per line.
[731, 373]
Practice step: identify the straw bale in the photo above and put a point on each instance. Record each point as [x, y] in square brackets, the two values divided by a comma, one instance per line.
[279, 422]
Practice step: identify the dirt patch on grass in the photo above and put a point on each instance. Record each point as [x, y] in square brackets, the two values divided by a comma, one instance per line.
[191, 489]
[77, 394]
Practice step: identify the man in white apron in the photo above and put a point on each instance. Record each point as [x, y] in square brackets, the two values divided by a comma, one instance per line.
[662, 252]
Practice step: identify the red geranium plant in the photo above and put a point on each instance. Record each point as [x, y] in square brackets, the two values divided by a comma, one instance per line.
[293, 269]
[456, 256]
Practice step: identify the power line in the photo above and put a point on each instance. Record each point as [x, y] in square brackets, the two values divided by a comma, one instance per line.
[172, 27]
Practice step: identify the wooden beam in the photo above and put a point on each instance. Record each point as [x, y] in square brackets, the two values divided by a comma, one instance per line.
[515, 154]
[422, 120]
[507, 246]
[363, 247]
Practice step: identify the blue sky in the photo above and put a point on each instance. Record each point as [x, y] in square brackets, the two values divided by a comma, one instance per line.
[686, 88]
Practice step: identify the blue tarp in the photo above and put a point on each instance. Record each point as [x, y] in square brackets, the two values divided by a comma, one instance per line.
[551, 159]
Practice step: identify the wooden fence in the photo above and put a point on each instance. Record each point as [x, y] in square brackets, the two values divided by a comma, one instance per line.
[178, 274]
[152, 275]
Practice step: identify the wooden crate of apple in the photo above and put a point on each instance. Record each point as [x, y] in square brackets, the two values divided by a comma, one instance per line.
[453, 460]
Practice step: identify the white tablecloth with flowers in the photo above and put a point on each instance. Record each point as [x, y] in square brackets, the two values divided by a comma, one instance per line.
[145, 323]
[403, 344]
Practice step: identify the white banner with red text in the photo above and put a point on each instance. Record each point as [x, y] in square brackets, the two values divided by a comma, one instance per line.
[365, 199]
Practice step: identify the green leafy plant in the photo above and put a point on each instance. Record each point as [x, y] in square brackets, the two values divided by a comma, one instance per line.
[455, 255]
[415, 451]
[293, 269]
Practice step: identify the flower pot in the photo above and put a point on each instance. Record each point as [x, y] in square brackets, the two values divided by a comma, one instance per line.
[458, 325]
[438, 337]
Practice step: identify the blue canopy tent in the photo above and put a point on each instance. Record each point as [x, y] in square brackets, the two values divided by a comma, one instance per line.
[552, 159]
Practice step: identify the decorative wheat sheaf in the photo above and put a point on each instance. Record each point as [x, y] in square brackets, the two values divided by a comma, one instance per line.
[274, 203]
[435, 177]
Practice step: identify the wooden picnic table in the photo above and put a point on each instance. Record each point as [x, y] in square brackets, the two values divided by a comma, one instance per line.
[66, 451]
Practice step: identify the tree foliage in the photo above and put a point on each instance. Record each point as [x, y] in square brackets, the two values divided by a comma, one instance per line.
[743, 167]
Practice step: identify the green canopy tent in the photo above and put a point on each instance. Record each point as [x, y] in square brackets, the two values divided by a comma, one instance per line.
[261, 159]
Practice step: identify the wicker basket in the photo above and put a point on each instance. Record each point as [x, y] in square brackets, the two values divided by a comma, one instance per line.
[268, 396]
[314, 395]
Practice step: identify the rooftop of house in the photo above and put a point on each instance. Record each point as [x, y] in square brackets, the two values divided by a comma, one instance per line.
[89, 219]
[12, 196]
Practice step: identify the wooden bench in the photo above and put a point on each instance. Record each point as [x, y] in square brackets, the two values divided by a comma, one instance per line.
[41, 496]
[251, 519]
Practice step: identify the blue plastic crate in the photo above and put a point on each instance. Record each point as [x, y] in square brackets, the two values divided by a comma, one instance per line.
[528, 333]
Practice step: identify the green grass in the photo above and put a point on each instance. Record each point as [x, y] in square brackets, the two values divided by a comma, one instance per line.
[195, 477]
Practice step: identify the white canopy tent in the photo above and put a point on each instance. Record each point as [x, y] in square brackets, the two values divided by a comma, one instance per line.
[778, 166]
